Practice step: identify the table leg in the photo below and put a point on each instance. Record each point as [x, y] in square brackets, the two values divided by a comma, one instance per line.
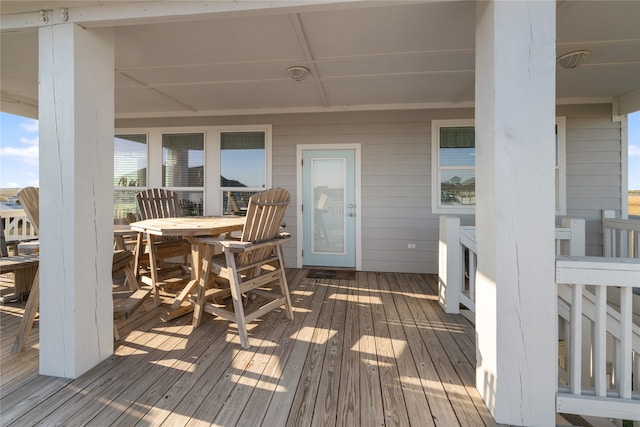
[153, 266]
[196, 269]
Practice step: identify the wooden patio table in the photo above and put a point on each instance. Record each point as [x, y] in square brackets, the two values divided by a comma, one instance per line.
[188, 228]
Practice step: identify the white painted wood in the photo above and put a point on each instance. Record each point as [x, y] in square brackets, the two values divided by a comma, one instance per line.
[598, 270]
[576, 244]
[589, 311]
[627, 103]
[450, 264]
[600, 342]
[76, 219]
[626, 332]
[598, 406]
[132, 13]
[575, 376]
[515, 110]
[17, 225]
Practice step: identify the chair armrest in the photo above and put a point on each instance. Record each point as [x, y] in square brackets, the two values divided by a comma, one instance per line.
[239, 246]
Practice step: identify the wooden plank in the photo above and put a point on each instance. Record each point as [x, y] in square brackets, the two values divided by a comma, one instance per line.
[437, 398]
[395, 409]
[417, 405]
[458, 349]
[162, 373]
[371, 405]
[216, 383]
[240, 361]
[348, 412]
[303, 403]
[251, 400]
[81, 405]
[324, 412]
[131, 392]
[22, 409]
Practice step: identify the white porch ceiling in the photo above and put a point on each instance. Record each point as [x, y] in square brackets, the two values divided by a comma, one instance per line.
[361, 55]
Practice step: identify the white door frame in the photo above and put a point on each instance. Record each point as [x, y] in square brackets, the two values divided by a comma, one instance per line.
[358, 226]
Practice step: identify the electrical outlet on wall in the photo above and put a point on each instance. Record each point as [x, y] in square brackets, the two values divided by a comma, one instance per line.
[411, 246]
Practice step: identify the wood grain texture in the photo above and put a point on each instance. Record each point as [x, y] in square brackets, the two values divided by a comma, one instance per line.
[376, 350]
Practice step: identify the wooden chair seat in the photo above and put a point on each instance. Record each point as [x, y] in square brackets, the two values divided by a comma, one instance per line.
[253, 264]
[161, 203]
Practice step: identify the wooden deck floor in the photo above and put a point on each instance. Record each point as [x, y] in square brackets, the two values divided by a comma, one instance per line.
[375, 351]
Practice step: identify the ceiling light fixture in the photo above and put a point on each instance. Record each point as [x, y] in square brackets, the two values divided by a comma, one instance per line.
[297, 72]
[573, 60]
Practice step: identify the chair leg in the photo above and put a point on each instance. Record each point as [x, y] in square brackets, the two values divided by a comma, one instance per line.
[236, 296]
[284, 286]
[33, 303]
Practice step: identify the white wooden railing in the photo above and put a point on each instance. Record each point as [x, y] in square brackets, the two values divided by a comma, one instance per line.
[458, 258]
[620, 237]
[600, 378]
[17, 226]
[599, 344]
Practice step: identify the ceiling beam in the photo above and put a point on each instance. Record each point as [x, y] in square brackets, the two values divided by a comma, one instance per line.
[308, 56]
[627, 103]
[19, 105]
[136, 12]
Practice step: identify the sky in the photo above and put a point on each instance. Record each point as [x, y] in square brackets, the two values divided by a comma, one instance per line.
[19, 151]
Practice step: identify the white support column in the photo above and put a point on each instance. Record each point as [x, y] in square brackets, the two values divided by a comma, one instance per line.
[516, 302]
[449, 264]
[76, 113]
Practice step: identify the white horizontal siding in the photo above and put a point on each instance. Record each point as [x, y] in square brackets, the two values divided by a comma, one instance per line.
[594, 175]
[396, 173]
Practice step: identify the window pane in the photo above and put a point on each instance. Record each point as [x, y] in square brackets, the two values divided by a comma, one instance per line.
[190, 203]
[236, 202]
[329, 181]
[458, 187]
[130, 161]
[457, 146]
[183, 160]
[125, 207]
[242, 159]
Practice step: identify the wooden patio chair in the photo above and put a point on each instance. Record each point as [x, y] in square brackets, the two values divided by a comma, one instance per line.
[122, 262]
[23, 267]
[126, 302]
[254, 263]
[29, 198]
[160, 203]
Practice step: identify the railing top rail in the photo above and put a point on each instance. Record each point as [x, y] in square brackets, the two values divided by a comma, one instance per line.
[7, 213]
[468, 238]
[622, 224]
[591, 270]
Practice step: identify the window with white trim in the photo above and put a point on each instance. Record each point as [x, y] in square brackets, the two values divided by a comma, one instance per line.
[453, 189]
[129, 174]
[242, 169]
[214, 169]
[183, 169]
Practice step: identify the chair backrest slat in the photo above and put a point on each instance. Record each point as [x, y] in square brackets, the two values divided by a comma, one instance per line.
[3, 243]
[29, 198]
[158, 203]
[265, 214]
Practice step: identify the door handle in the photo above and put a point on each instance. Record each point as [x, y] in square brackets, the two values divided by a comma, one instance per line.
[352, 214]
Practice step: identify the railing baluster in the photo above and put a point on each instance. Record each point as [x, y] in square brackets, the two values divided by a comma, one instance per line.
[600, 342]
[626, 313]
[472, 275]
[576, 340]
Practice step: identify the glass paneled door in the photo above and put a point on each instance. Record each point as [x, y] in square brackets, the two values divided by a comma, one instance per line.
[328, 186]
